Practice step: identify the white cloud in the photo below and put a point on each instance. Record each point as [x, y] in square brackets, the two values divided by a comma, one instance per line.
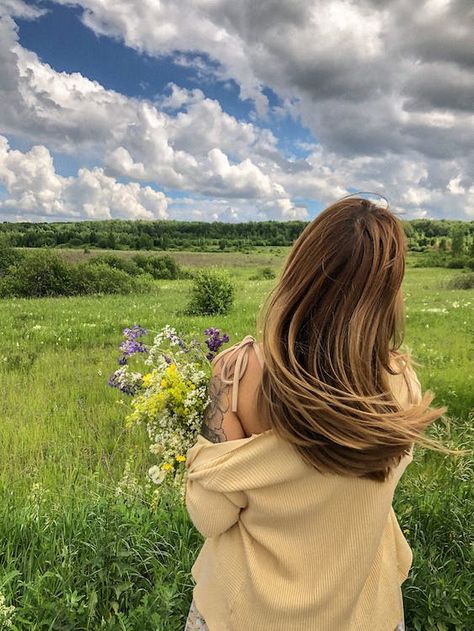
[34, 188]
[199, 148]
[387, 103]
[19, 9]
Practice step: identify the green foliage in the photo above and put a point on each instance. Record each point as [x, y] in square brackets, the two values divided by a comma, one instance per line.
[40, 273]
[8, 256]
[264, 273]
[434, 503]
[158, 266]
[100, 278]
[44, 273]
[208, 236]
[117, 262]
[456, 263]
[95, 561]
[462, 281]
[457, 241]
[212, 293]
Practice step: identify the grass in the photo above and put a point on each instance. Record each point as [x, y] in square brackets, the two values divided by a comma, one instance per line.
[75, 555]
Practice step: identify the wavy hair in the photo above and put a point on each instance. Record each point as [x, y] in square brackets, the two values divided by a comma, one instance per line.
[331, 330]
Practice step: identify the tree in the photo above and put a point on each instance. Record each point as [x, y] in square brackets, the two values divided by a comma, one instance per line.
[457, 243]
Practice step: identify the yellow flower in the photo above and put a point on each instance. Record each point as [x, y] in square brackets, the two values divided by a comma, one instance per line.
[167, 466]
[180, 458]
[147, 379]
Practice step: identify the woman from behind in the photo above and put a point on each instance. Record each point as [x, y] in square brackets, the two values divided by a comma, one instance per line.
[292, 482]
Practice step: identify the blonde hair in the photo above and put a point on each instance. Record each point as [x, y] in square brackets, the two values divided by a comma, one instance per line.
[329, 330]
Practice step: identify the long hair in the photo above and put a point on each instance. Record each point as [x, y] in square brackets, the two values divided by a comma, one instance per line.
[331, 331]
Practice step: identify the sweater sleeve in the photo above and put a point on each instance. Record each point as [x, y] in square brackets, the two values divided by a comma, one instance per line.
[212, 512]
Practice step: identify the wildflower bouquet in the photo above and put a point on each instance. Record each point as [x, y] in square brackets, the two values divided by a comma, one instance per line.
[169, 399]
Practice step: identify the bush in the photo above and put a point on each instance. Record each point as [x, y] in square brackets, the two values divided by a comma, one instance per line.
[8, 257]
[470, 264]
[431, 259]
[117, 262]
[160, 267]
[212, 293]
[457, 263]
[100, 278]
[38, 274]
[264, 273]
[462, 281]
[45, 273]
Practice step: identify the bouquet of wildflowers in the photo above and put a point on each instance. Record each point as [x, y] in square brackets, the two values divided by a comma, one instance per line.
[171, 397]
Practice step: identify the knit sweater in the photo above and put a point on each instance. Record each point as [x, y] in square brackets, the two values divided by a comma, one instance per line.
[288, 548]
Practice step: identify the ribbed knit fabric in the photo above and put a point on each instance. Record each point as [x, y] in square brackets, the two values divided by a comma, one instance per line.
[288, 548]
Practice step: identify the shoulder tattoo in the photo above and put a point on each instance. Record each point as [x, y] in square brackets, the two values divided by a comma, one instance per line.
[212, 427]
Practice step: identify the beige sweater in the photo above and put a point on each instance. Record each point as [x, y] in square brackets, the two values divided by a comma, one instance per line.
[288, 548]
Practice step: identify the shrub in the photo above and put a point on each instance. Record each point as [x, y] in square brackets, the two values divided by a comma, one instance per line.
[457, 263]
[45, 273]
[462, 281]
[101, 278]
[431, 259]
[470, 264]
[42, 273]
[212, 293]
[264, 273]
[8, 257]
[160, 267]
[117, 262]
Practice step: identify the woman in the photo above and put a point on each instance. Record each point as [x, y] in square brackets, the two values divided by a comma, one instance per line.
[308, 432]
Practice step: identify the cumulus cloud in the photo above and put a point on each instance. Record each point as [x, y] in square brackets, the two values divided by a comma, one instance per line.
[387, 102]
[185, 141]
[34, 189]
[368, 78]
[19, 9]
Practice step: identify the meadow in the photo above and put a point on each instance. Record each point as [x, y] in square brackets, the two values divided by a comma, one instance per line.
[82, 548]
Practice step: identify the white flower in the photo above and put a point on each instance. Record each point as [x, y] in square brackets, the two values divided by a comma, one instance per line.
[156, 474]
[6, 613]
[156, 449]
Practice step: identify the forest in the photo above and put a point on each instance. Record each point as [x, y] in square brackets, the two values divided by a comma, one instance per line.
[121, 234]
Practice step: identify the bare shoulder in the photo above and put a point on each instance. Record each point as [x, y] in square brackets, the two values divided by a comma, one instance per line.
[247, 411]
[220, 423]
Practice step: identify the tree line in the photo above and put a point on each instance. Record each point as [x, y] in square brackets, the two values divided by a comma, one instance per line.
[123, 234]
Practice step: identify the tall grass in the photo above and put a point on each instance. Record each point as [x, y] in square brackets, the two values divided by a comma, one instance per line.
[76, 554]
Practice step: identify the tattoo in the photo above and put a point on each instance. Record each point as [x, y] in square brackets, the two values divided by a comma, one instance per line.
[212, 427]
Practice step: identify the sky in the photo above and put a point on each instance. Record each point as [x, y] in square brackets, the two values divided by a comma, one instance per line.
[217, 110]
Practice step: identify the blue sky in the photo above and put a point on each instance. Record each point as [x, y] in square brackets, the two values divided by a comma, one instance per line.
[230, 112]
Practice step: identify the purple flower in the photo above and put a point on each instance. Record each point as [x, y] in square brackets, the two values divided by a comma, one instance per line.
[168, 360]
[214, 341]
[134, 332]
[129, 347]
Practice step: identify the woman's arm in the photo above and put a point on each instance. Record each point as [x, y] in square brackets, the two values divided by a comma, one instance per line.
[220, 423]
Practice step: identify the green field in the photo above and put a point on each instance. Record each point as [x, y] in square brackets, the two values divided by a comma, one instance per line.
[77, 556]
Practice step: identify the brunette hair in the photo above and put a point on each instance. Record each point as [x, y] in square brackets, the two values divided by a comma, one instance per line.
[332, 329]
